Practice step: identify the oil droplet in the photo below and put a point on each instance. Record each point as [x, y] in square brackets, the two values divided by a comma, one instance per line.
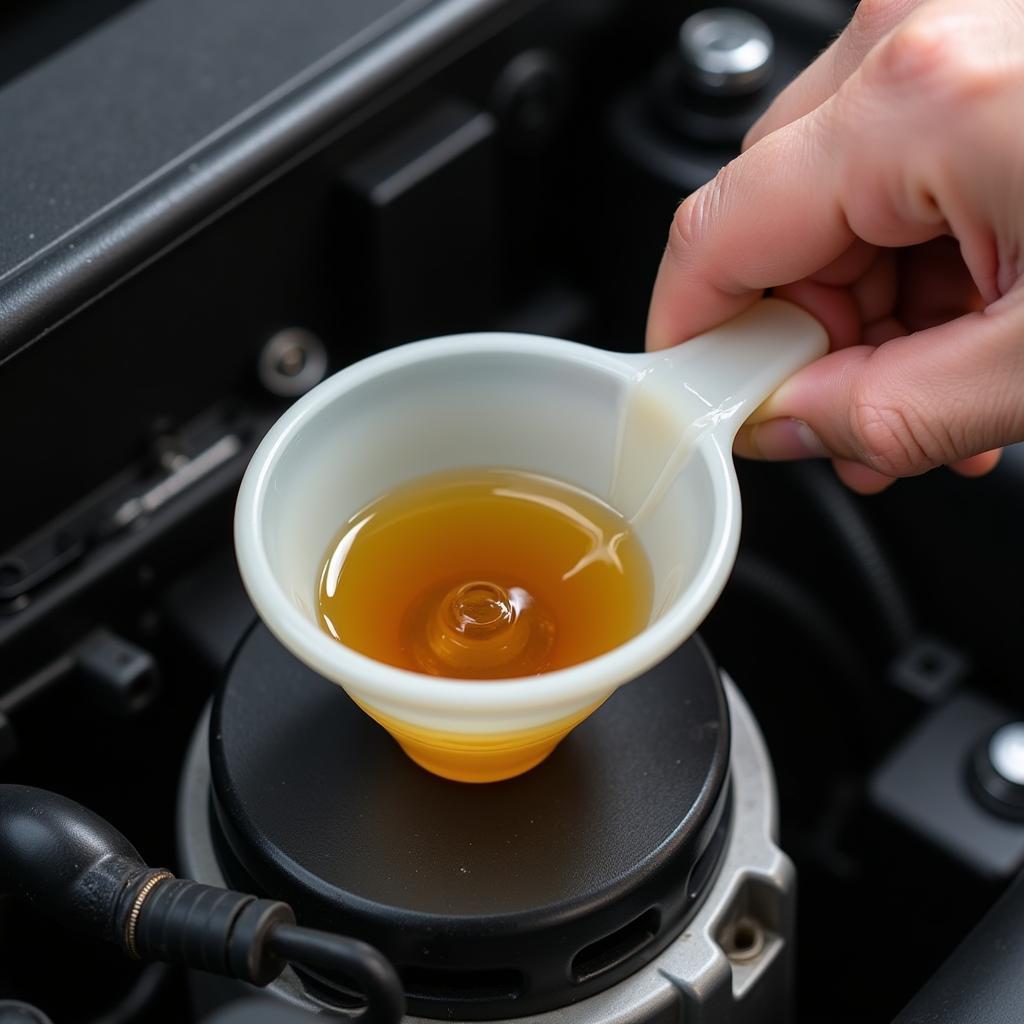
[479, 609]
[479, 629]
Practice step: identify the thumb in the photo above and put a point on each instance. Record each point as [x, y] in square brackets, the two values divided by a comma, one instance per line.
[932, 398]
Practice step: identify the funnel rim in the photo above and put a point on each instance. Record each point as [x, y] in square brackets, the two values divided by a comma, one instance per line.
[553, 691]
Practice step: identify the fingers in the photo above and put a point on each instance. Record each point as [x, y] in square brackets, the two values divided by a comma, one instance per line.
[861, 478]
[830, 168]
[855, 475]
[791, 439]
[935, 285]
[793, 206]
[853, 297]
[834, 307]
[948, 395]
[785, 210]
[769, 217]
[787, 439]
[875, 289]
[872, 20]
[978, 465]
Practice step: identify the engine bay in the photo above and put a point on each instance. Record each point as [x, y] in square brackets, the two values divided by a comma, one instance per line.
[198, 233]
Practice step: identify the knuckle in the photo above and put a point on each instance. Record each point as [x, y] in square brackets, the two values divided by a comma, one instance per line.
[932, 55]
[693, 219]
[895, 439]
[909, 53]
[685, 228]
[871, 19]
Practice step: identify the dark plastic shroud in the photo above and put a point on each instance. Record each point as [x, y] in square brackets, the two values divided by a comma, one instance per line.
[255, 82]
[983, 981]
[492, 901]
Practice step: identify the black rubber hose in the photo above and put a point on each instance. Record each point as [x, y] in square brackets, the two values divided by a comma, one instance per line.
[76, 868]
[865, 551]
[64, 861]
[773, 587]
[355, 961]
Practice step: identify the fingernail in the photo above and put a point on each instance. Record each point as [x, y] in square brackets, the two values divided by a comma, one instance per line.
[786, 439]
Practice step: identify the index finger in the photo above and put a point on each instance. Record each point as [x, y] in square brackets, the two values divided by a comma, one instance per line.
[872, 20]
[770, 217]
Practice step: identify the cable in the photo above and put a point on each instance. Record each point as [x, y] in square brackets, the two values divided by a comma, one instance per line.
[782, 592]
[866, 554]
[76, 868]
[332, 955]
[778, 590]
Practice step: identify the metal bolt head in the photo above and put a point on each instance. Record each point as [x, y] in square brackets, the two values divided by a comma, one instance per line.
[1006, 752]
[726, 51]
[531, 94]
[291, 362]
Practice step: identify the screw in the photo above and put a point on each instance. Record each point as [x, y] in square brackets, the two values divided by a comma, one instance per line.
[291, 362]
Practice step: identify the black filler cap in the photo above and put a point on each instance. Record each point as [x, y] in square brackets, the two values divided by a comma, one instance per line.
[494, 900]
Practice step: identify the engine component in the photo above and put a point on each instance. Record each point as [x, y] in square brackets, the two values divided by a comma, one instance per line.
[938, 785]
[621, 880]
[999, 770]
[726, 51]
[74, 867]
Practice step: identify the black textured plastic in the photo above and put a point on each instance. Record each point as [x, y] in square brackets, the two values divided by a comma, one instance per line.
[983, 981]
[185, 922]
[249, 955]
[231, 92]
[214, 930]
[483, 896]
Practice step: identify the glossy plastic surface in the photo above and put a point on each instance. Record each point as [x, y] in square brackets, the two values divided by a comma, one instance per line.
[651, 435]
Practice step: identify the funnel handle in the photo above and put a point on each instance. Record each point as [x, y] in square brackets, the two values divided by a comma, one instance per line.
[729, 371]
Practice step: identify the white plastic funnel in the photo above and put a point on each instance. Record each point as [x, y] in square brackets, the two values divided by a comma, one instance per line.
[650, 434]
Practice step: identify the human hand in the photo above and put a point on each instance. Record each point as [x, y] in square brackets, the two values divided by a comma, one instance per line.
[883, 191]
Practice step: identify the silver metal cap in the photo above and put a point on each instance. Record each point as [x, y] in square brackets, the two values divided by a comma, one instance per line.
[1006, 752]
[726, 51]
